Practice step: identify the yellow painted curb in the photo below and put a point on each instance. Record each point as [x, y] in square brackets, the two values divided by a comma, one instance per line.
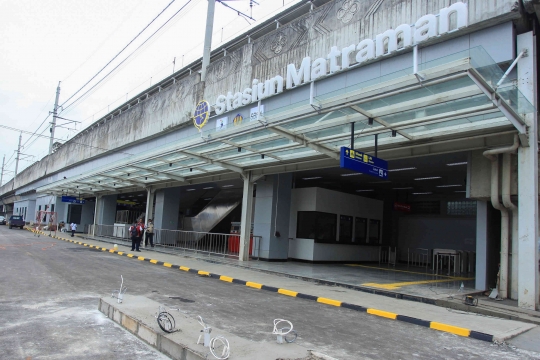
[167, 264]
[329, 301]
[129, 255]
[140, 258]
[287, 292]
[226, 278]
[153, 261]
[253, 285]
[184, 268]
[201, 272]
[450, 329]
[382, 313]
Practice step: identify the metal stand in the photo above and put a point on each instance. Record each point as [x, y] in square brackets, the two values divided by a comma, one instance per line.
[205, 332]
[119, 294]
[286, 334]
[165, 320]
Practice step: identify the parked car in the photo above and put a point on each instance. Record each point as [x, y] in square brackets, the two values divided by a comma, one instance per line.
[2, 220]
[16, 221]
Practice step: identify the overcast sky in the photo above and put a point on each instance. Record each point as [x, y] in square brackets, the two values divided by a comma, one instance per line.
[43, 42]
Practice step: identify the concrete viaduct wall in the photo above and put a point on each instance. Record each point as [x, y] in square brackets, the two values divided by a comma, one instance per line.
[313, 34]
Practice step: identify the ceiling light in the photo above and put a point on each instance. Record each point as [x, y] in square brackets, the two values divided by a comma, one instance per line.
[207, 199]
[445, 186]
[428, 178]
[312, 178]
[140, 195]
[460, 191]
[457, 163]
[190, 189]
[403, 169]
[227, 185]
[381, 182]
[403, 188]
[365, 190]
[208, 188]
[422, 193]
[353, 174]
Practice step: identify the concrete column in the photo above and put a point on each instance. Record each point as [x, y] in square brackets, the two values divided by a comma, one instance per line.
[96, 212]
[107, 210]
[149, 204]
[528, 182]
[481, 245]
[247, 211]
[167, 208]
[272, 214]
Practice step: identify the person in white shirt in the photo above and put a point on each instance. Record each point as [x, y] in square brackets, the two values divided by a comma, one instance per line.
[73, 227]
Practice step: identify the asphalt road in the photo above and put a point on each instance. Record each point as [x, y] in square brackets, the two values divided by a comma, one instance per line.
[49, 292]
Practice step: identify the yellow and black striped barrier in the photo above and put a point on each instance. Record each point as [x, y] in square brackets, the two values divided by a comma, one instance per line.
[385, 314]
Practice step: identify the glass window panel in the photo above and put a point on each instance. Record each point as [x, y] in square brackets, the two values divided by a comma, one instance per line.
[319, 226]
[251, 136]
[360, 230]
[345, 228]
[268, 145]
[374, 231]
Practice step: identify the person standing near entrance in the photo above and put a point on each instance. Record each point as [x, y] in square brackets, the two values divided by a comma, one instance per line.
[135, 239]
[149, 234]
[73, 227]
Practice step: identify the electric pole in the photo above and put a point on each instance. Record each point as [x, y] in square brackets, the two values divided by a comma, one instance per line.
[53, 124]
[18, 155]
[2, 173]
[208, 38]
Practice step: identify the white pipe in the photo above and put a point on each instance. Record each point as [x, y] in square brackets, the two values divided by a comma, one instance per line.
[523, 52]
[493, 156]
[507, 201]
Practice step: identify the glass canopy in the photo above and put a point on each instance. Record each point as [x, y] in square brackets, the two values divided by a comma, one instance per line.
[449, 97]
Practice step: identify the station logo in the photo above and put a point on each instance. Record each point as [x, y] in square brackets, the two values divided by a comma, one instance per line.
[201, 114]
[238, 120]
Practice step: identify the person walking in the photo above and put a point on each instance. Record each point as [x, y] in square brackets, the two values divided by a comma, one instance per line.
[73, 227]
[134, 232]
[149, 234]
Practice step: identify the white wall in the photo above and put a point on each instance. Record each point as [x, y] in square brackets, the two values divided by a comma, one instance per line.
[323, 200]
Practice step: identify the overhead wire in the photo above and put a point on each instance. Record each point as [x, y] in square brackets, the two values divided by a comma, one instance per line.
[129, 57]
[107, 38]
[120, 52]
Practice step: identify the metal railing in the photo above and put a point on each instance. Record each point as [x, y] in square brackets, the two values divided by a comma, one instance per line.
[388, 255]
[211, 244]
[418, 257]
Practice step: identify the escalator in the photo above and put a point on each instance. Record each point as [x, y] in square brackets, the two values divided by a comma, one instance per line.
[215, 211]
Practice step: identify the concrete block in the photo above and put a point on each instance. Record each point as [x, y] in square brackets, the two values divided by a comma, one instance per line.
[191, 355]
[130, 324]
[111, 312]
[172, 349]
[147, 335]
[104, 308]
[117, 316]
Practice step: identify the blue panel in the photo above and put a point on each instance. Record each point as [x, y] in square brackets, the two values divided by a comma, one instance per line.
[363, 163]
[72, 200]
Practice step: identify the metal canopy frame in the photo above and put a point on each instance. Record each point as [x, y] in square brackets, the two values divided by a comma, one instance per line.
[455, 99]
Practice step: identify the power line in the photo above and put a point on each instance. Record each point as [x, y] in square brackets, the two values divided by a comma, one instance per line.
[128, 57]
[71, 142]
[37, 130]
[118, 54]
[108, 37]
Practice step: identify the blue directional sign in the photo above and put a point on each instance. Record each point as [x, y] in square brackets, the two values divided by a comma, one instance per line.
[363, 163]
[72, 200]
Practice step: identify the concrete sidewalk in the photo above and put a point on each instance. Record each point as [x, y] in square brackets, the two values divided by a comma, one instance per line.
[438, 318]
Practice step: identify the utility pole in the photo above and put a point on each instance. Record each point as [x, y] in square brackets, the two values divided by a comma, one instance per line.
[2, 173]
[18, 155]
[53, 125]
[208, 37]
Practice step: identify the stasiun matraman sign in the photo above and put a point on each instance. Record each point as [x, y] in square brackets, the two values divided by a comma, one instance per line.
[393, 40]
